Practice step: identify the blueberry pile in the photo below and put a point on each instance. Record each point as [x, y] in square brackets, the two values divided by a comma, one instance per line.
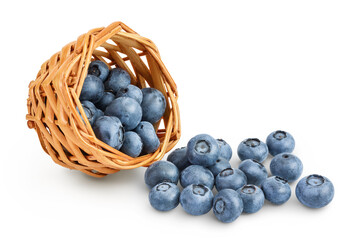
[121, 115]
[205, 163]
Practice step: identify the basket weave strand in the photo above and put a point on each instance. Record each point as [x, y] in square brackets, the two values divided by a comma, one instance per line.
[54, 96]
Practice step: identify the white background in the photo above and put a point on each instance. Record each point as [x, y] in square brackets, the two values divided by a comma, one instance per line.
[243, 69]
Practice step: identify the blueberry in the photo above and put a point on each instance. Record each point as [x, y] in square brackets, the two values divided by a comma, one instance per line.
[230, 178]
[99, 69]
[315, 191]
[148, 136]
[127, 110]
[253, 198]
[92, 90]
[164, 196]
[196, 174]
[106, 99]
[280, 142]
[219, 165]
[276, 190]
[90, 111]
[203, 150]
[227, 205]
[287, 166]
[153, 105]
[225, 149]
[255, 172]
[118, 78]
[179, 158]
[109, 130]
[196, 199]
[132, 145]
[131, 91]
[161, 171]
[252, 148]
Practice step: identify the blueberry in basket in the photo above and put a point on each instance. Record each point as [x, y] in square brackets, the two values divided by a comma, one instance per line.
[118, 78]
[131, 91]
[98, 69]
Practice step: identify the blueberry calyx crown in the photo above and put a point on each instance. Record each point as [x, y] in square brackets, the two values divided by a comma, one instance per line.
[219, 206]
[202, 147]
[280, 179]
[94, 70]
[285, 155]
[279, 135]
[199, 189]
[248, 189]
[315, 180]
[227, 172]
[252, 142]
[124, 90]
[163, 187]
[221, 141]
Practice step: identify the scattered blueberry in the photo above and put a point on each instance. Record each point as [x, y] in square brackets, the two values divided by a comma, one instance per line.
[219, 165]
[253, 198]
[131, 91]
[106, 99]
[161, 171]
[287, 166]
[230, 178]
[132, 145]
[276, 190]
[179, 158]
[203, 150]
[109, 130]
[196, 199]
[255, 171]
[252, 148]
[196, 174]
[118, 78]
[280, 142]
[99, 69]
[164, 196]
[315, 191]
[227, 205]
[148, 136]
[92, 90]
[153, 105]
[225, 149]
[127, 110]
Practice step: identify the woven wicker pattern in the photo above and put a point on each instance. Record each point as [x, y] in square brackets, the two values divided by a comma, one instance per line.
[54, 96]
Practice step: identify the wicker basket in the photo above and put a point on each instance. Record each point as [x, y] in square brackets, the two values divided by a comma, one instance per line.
[54, 96]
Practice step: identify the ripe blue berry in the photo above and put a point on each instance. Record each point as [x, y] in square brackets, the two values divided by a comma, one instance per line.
[196, 174]
[253, 198]
[132, 145]
[276, 190]
[106, 99]
[127, 110]
[109, 130]
[99, 69]
[118, 78]
[179, 158]
[164, 196]
[148, 137]
[196, 199]
[227, 205]
[315, 191]
[132, 92]
[92, 89]
[280, 142]
[287, 166]
[202, 150]
[252, 148]
[225, 149]
[153, 105]
[255, 171]
[161, 171]
[230, 178]
[219, 165]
